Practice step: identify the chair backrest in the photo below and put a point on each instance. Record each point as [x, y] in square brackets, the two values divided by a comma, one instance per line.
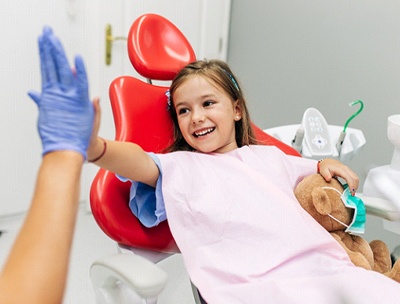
[157, 48]
[141, 116]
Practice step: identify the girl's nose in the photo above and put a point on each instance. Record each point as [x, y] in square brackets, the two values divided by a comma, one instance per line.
[197, 116]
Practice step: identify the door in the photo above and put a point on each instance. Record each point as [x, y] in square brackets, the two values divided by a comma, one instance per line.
[79, 24]
[205, 23]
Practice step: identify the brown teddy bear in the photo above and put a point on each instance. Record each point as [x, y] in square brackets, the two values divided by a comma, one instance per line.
[319, 202]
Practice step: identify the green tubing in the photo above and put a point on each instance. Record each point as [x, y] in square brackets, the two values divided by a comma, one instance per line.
[355, 114]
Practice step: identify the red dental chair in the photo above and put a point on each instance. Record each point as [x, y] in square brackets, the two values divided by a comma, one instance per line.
[157, 50]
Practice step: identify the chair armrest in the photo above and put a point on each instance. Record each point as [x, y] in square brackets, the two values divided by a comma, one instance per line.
[144, 277]
[381, 207]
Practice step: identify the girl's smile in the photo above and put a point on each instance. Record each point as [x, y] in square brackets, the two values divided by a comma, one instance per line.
[203, 132]
[206, 115]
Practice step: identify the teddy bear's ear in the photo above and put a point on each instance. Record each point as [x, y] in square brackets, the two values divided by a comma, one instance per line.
[321, 201]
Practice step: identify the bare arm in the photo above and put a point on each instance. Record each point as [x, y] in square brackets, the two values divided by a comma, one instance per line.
[36, 269]
[123, 158]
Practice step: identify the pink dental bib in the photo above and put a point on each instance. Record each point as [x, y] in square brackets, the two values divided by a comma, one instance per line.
[245, 238]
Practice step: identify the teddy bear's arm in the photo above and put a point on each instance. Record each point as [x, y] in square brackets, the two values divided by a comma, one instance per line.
[360, 253]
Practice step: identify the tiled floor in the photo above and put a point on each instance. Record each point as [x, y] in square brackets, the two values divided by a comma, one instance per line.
[90, 244]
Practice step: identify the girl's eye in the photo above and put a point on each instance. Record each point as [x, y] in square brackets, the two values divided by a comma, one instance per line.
[208, 103]
[182, 111]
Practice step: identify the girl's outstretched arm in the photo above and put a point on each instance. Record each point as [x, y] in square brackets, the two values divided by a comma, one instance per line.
[123, 158]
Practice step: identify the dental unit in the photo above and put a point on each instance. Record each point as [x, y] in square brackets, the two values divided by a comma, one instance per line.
[314, 138]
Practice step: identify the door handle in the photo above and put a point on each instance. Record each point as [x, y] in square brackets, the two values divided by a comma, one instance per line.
[109, 39]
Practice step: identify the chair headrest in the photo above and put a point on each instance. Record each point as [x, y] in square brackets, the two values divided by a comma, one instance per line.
[157, 48]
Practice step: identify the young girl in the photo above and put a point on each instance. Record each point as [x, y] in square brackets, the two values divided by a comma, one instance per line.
[210, 115]
[230, 203]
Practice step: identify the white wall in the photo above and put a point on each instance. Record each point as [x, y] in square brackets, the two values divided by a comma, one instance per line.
[291, 55]
[321, 53]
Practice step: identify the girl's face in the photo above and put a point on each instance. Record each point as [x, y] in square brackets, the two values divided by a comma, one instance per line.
[206, 116]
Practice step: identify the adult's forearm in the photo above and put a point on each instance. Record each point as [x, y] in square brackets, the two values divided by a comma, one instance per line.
[38, 262]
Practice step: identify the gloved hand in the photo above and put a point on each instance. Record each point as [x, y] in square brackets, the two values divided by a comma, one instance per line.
[65, 112]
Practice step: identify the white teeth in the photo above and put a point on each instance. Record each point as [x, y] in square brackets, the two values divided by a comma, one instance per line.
[204, 132]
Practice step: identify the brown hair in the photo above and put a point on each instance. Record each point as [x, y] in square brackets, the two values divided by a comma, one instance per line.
[219, 73]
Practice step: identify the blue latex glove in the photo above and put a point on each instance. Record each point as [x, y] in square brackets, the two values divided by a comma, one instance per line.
[65, 112]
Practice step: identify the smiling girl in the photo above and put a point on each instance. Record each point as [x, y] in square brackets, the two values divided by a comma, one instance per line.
[230, 203]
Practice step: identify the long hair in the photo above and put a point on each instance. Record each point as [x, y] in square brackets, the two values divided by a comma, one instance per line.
[219, 73]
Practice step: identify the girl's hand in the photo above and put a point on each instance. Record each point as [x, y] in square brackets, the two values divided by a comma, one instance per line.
[330, 168]
[95, 145]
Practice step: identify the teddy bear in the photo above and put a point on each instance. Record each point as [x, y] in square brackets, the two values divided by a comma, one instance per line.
[319, 202]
